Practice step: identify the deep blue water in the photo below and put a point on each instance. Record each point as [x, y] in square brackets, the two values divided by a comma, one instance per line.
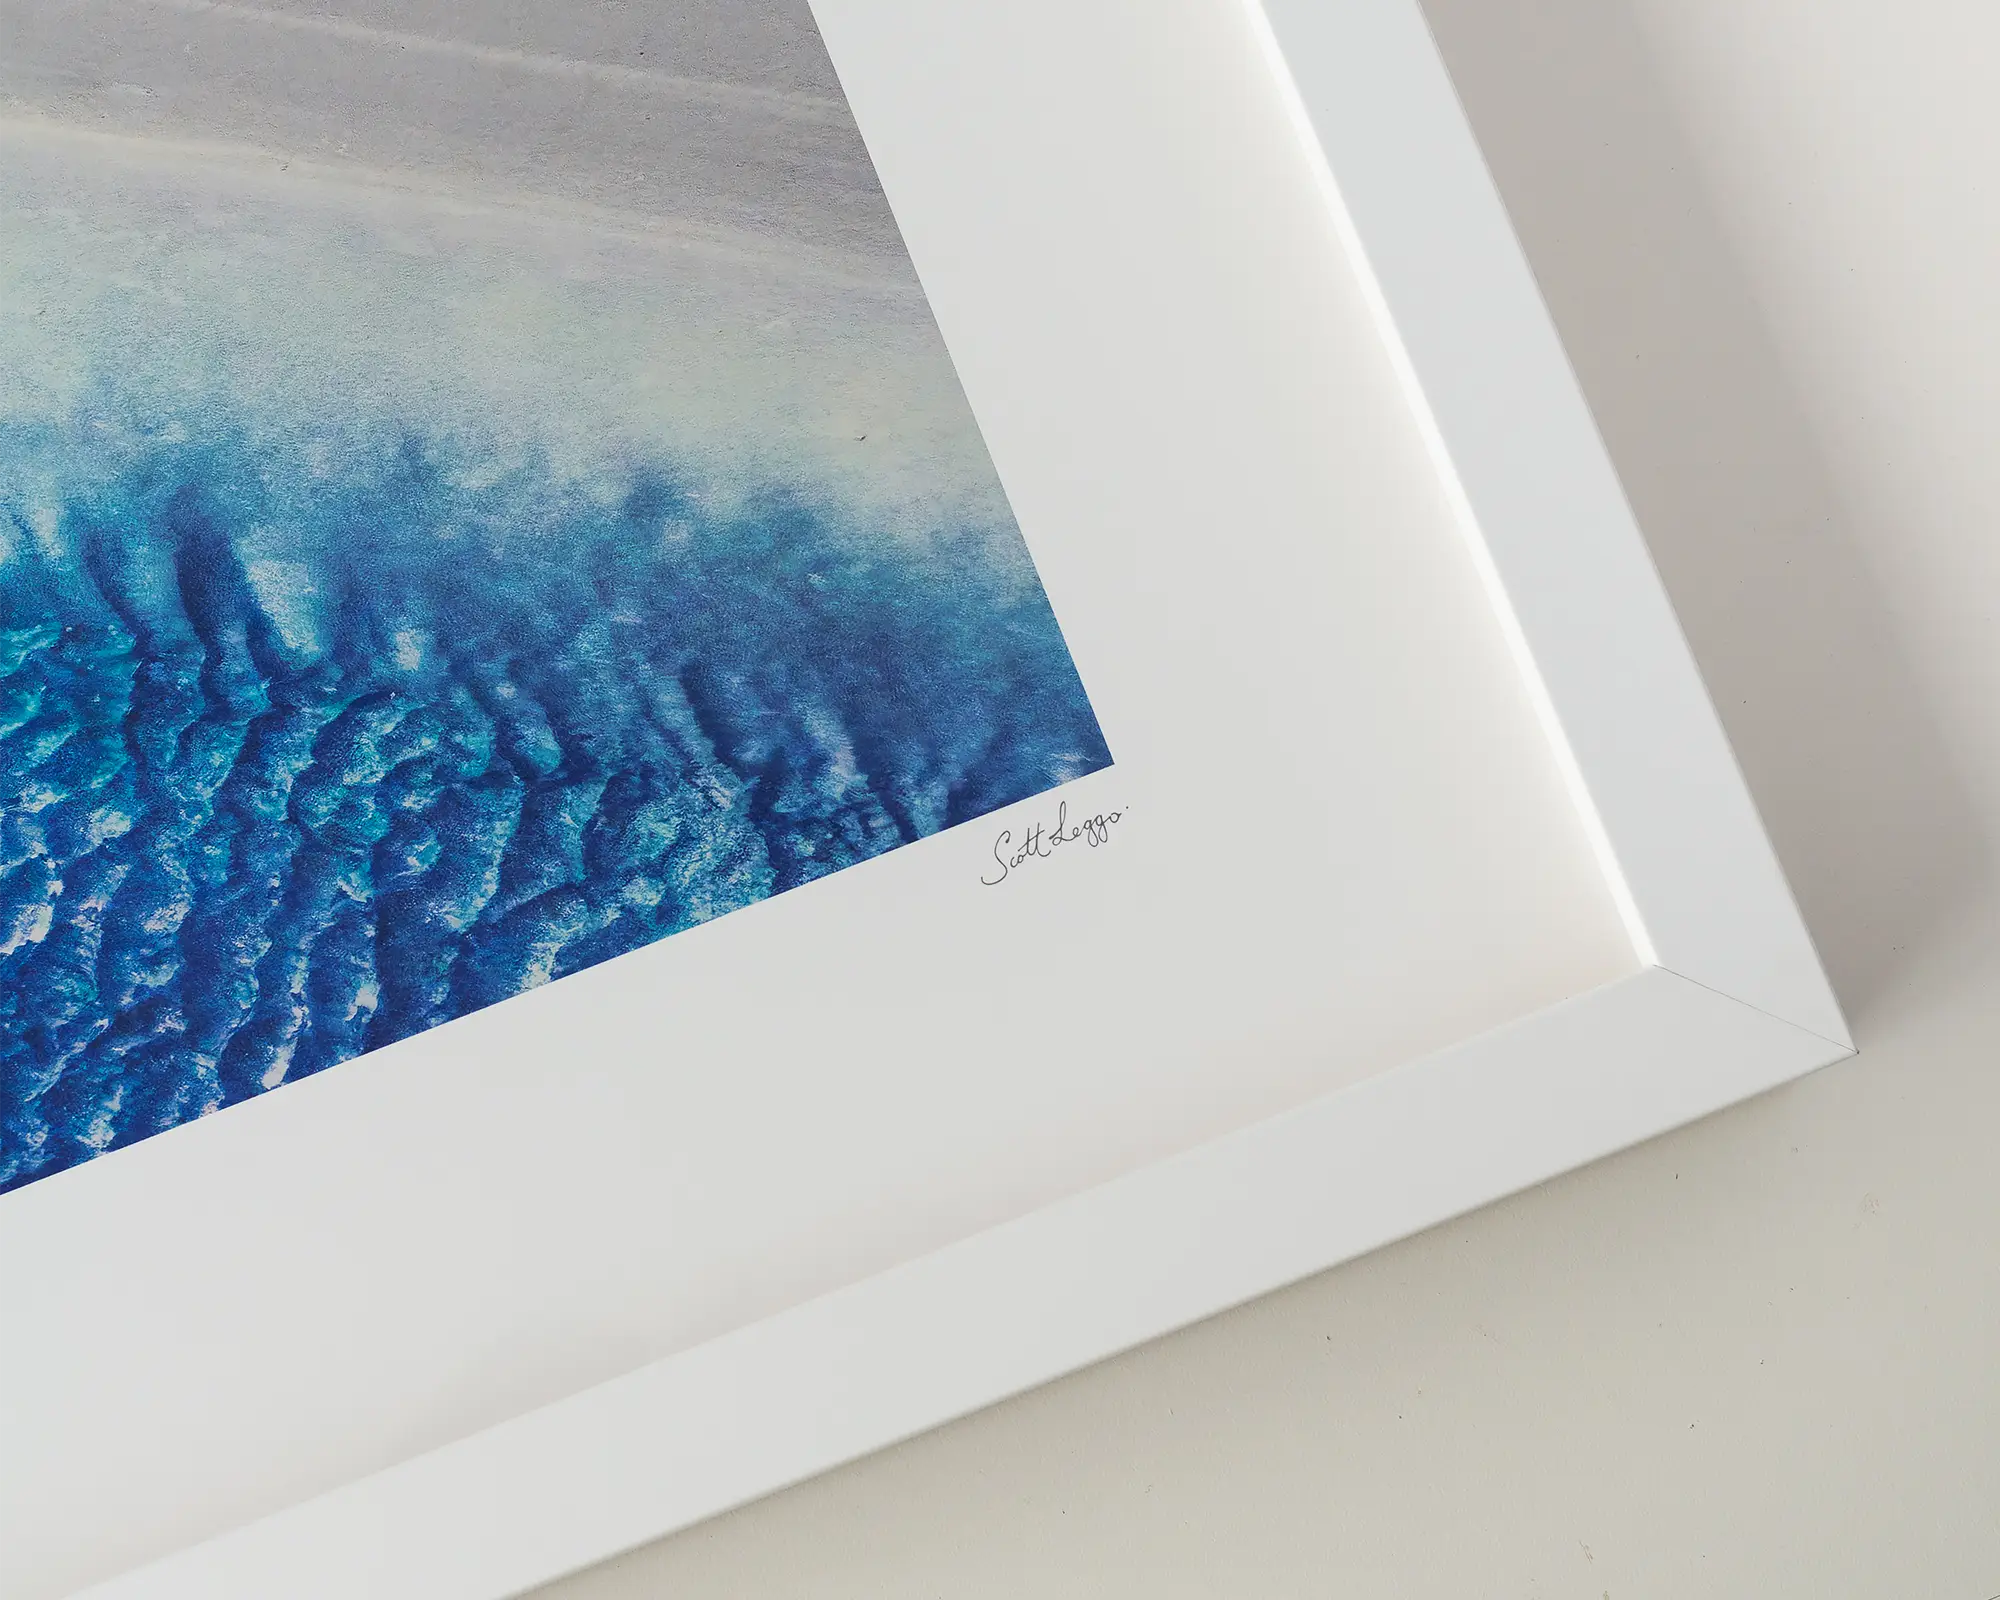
[305, 748]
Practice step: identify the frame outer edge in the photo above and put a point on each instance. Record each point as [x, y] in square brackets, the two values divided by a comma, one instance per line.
[1637, 738]
[714, 1427]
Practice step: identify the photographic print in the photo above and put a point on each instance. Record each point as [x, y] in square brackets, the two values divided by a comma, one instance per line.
[481, 510]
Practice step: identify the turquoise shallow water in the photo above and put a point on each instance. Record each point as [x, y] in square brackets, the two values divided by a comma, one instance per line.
[310, 742]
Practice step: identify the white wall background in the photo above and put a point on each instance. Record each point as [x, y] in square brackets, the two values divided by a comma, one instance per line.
[1761, 1356]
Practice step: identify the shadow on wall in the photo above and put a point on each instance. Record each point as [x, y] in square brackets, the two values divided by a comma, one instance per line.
[1873, 823]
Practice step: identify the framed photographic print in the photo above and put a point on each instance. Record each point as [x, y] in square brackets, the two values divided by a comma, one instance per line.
[726, 728]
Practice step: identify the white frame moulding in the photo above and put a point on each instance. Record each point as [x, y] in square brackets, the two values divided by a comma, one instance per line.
[1730, 1001]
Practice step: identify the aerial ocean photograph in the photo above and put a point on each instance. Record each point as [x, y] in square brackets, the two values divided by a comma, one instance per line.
[423, 579]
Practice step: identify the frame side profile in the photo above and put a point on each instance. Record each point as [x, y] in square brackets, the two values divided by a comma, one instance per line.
[1649, 765]
[836, 1378]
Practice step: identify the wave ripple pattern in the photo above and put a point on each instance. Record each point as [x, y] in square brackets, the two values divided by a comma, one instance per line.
[301, 755]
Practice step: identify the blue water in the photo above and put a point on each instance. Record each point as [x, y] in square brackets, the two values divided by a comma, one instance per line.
[308, 745]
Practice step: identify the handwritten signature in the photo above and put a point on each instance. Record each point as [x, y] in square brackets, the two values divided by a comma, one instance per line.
[1039, 843]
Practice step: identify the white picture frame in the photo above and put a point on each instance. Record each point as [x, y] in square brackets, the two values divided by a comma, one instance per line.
[1727, 1000]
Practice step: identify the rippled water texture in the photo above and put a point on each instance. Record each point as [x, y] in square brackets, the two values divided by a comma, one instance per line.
[305, 749]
